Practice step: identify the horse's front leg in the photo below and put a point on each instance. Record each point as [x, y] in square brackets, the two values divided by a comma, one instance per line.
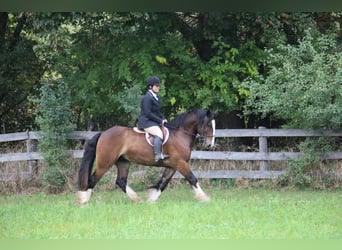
[183, 168]
[199, 193]
[155, 191]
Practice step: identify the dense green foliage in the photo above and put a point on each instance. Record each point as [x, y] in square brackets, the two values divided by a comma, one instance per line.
[20, 72]
[202, 58]
[303, 84]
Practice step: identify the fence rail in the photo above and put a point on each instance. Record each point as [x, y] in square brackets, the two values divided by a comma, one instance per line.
[263, 156]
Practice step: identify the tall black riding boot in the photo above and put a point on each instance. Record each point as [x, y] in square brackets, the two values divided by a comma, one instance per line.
[158, 143]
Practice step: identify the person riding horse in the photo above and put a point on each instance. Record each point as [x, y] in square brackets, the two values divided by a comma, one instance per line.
[119, 146]
[150, 118]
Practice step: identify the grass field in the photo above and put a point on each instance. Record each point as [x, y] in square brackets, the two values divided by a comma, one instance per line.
[231, 214]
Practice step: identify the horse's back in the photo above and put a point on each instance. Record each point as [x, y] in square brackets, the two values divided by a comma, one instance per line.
[120, 141]
[115, 130]
[119, 136]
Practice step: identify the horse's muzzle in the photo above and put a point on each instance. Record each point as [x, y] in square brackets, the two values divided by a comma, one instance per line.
[209, 142]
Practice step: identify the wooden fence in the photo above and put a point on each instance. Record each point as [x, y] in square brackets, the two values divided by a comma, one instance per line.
[263, 155]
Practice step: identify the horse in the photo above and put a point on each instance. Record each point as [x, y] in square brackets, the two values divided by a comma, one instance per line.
[121, 145]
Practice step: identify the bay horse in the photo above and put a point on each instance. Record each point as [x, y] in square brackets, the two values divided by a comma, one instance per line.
[121, 145]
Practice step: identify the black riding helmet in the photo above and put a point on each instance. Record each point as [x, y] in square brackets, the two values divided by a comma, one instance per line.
[152, 80]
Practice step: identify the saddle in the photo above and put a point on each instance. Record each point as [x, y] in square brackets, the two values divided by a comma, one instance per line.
[150, 138]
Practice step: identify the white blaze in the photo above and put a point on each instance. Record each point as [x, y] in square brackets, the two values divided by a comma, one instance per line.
[213, 123]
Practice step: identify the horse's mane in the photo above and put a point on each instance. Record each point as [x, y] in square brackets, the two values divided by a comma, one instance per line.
[179, 120]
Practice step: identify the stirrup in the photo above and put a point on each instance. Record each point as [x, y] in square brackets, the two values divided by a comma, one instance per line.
[160, 157]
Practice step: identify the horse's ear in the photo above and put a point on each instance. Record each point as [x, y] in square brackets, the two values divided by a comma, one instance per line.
[210, 114]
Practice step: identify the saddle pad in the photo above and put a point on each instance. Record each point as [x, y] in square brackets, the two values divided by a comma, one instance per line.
[150, 138]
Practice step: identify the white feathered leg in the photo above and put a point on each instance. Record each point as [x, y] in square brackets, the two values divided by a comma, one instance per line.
[83, 197]
[199, 194]
[153, 194]
[131, 194]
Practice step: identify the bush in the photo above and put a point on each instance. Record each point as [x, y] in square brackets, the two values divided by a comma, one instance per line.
[55, 118]
[303, 84]
[311, 171]
[303, 87]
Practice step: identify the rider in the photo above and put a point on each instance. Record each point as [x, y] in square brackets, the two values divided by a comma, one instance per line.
[151, 118]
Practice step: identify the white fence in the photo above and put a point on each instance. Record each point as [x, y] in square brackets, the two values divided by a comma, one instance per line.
[263, 156]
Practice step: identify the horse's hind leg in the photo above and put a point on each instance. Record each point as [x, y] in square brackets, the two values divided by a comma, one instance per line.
[84, 196]
[155, 191]
[93, 180]
[121, 180]
[102, 166]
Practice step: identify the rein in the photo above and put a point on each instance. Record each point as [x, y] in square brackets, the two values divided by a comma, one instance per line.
[184, 131]
[198, 134]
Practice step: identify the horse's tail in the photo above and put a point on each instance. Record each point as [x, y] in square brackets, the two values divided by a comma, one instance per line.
[87, 162]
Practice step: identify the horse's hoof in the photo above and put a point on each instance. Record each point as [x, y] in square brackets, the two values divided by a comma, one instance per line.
[199, 194]
[83, 197]
[203, 198]
[153, 195]
[132, 195]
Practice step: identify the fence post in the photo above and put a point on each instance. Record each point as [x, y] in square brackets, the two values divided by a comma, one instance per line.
[263, 149]
[31, 146]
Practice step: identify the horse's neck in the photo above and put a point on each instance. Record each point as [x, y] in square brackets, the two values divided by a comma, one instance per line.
[188, 136]
[190, 128]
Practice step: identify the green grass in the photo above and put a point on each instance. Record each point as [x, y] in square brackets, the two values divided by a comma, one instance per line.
[231, 214]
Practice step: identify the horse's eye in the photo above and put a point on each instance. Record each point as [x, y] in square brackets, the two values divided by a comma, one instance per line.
[209, 124]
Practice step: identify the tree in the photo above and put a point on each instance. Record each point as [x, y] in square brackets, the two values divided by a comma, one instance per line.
[20, 71]
[303, 84]
[112, 51]
[201, 57]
